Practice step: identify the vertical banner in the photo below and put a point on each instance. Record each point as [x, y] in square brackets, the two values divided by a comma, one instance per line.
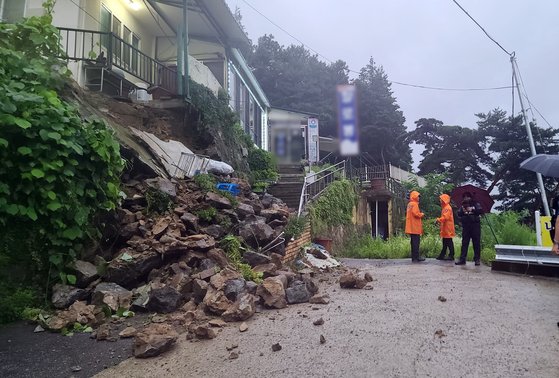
[312, 140]
[347, 120]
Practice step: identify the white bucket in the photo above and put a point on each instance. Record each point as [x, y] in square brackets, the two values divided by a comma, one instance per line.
[141, 93]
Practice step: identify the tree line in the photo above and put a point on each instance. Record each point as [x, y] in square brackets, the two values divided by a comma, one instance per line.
[487, 155]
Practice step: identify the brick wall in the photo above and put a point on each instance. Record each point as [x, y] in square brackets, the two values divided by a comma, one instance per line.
[294, 246]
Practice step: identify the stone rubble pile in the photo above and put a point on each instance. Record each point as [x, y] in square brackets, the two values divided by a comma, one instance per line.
[174, 265]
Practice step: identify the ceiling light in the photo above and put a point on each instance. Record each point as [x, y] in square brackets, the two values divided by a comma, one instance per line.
[134, 5]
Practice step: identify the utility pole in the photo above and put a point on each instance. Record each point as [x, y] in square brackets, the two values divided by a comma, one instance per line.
[529, 132]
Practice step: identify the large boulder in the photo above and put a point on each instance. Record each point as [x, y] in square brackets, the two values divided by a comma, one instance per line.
[86, 273]
[190, 221]
[165, 300]
[272, 293]
[256, 234]
[163, 185]
[254, 258]
[234, 288]
[244, 210]
[243, 308]
[112, 295]
[217, 201]
[64, 295]
[131, 266]
[297, 293]
[154, 340]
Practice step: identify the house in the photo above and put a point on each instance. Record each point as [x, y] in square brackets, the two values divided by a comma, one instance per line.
[123, 46]
[382, 202]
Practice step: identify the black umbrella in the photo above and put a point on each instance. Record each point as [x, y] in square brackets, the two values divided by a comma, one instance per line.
[547, 165]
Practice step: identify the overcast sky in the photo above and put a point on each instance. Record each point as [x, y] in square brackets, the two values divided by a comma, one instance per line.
[432, 43]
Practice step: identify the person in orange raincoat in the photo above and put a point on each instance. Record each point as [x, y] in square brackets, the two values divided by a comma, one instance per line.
[446, 223]
[414, 227]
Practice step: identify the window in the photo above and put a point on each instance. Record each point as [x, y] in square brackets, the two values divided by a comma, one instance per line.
[136, 46]
[105, 25]
[117, 47]
[126, 53]
[12, 11]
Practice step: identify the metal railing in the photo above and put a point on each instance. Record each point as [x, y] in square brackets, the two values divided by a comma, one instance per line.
[191, 164]
[369, 173]
[107, 50]
[315, 183]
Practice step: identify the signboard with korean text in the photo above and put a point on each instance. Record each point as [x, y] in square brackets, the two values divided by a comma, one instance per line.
[312, 140]
[348, 132]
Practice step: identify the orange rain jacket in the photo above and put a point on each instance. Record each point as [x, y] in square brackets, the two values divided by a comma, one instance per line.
[446, 220]
[413, 215]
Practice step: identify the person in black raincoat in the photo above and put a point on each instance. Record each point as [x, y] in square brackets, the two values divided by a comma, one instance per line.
[469, 215]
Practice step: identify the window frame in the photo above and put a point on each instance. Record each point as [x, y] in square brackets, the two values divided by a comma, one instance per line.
[3, 3]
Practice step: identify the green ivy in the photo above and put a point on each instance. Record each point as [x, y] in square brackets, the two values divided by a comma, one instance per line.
[58, 171]
[334, 207]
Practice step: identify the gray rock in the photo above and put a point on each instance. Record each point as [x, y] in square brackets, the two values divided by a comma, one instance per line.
[127, 272]
[190, 221]
[234, 288]
[251, 287]
[163, 185]
[297, 293]
[112, 295]
[244, 210]
[126, 216]
[64, 295]
[164, 300]
[257, 234]
[207, 264]
[217, 201]
[86, 273]
[129, 230]
[215, 230]
[254, 258]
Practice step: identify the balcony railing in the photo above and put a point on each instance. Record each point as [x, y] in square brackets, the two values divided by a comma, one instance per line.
[109, 50]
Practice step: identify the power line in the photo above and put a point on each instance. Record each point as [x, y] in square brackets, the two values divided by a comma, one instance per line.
[450, 89]
[357, 72]
[481, 27]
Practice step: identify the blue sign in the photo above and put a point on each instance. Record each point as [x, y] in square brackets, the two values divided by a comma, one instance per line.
[348, 132]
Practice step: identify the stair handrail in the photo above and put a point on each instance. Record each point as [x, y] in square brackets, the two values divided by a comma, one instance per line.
[321, 180]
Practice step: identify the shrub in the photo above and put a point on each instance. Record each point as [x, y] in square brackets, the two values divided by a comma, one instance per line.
[58, 172]
[262, 165]
[205, 182]
[207, 215]
[295, 227]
